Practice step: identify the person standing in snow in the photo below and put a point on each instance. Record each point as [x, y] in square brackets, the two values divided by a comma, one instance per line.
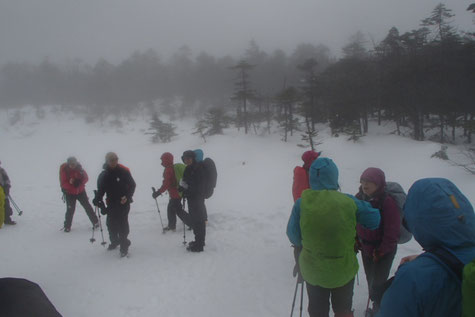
[170, 184]
[73, 179]
[6, 184]
[442, 221]
[301, 174]
[192, 188]
[378, 247]
[323, 224]
[199, 157]
[116, 181]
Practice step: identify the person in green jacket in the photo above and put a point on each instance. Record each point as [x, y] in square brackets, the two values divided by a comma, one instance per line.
[323, 225]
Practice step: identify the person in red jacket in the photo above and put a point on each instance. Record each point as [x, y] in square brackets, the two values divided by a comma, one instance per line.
[301, 174]
[170, 184]
[73, 181]
[378, 247]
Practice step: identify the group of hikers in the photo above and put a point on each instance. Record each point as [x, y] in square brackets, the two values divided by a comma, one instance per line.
[328, 229]
[192, 182]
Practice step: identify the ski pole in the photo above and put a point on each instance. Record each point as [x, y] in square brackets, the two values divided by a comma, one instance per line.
[158, 209]
[184, 229]
[103, 243]
[295, 297]
[92, 238]
[18, 210]
[301, 299]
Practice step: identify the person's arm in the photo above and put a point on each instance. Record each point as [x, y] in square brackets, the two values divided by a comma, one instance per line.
[366, 215]
[391, 227]
[293, 226]
[100, 187]
[85, 178]
[131, 186]
[168, 180]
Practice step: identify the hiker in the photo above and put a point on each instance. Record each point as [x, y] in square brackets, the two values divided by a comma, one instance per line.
[73, 179]
[378, 247]
[116, 181]
[192, 188]
[301, 174]
[6, 184]
[323, 223]
[442, 221]
[170, 184]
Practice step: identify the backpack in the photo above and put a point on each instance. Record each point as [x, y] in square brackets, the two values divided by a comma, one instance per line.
[396, 192]
[210, 177]
[300, 182]
[465, 274]
[179, 170]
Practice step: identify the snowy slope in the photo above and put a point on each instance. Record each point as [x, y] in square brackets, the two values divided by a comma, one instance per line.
[247, 264]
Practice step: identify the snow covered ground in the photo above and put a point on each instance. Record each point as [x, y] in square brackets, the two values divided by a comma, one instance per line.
[246, 269]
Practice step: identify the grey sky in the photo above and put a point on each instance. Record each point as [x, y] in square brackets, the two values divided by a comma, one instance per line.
[89, 29]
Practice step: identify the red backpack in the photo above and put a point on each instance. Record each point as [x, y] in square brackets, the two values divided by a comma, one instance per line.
[301, 182]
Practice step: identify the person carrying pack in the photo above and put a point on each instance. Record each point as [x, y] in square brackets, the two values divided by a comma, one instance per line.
[210, 176]
[170, 184]
[5, 183]
[301, 174]
[378, 247]
[442, 221]
[323, 223]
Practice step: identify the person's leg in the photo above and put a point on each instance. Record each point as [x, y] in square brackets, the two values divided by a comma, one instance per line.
[342, 298]
[111, 223]
[381, 274]
[174, 205]
[368, 265]
[70, 207]
[183, 215]
[8, 211]
[318, 301]
[123, 227]
[84, 201]
[197, 213]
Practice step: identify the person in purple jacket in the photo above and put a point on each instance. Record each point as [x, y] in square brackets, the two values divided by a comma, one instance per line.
[378, 247]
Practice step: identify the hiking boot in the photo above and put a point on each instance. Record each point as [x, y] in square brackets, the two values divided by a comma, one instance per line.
[112, 246]
[9, 222]
[173, 229]
[67, 229]
[123, 253]
[194, 247]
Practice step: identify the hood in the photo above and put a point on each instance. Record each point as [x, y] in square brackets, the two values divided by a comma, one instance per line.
[308, 157]
[323, 174]
[190, 154]
[199, 155]
[167, 159]
[375, 176]
[439, 215]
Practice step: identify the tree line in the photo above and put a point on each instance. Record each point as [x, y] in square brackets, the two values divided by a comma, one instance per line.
[422, 80]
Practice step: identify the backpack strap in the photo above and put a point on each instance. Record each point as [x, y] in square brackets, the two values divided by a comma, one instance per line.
[450, 260]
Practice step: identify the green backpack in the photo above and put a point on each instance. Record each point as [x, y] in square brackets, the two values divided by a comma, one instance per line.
[468, 290]
[179, 169]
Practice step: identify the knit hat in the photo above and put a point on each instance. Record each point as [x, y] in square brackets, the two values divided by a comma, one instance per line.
[72, 160]
[111, 156]
[375, 176]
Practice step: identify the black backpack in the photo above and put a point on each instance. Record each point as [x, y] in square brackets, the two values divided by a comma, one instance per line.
[210, 177]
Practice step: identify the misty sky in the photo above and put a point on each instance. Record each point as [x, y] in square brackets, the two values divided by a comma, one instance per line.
[31, 30]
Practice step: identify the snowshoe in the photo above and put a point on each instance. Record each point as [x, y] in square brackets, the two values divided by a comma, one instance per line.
[67, 229]
[194, 247]
[124, 254]
[166, 229]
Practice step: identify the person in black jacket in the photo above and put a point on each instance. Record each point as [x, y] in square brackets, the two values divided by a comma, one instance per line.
[193, 190]
[117, 182]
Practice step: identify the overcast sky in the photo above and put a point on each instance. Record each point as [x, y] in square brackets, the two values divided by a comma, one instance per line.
[31, 30]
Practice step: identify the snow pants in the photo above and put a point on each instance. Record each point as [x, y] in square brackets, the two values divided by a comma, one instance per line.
[174, 207]
[377, 274]
[71, 207]
[318, 299]
[118, 225]
[196, 218]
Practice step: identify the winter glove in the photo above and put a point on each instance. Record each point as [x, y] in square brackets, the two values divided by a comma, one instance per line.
[155, 194]
[103, 210]
[96, 202]
[77, 182]
[183, 184]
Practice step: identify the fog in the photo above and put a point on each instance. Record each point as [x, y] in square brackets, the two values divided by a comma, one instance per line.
[31, 30]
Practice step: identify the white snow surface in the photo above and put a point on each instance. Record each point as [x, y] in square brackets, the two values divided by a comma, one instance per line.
[246, 269]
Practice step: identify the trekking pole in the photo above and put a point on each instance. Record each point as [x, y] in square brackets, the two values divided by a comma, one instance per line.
[358, 278]
[295, 297]
[92, 238]
[103, 243]
[184, 229]
[158, 209]
[301, 299]
[18, 210]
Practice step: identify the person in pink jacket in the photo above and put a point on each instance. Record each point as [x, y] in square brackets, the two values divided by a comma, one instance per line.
[378, 247]
[73, 179]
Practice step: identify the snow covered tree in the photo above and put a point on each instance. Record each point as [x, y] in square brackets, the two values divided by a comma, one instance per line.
[214, 121]
[243, 93]
[161, 131]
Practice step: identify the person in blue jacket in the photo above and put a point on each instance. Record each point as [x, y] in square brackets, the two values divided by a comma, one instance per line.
[441, 218]
[323, 226]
